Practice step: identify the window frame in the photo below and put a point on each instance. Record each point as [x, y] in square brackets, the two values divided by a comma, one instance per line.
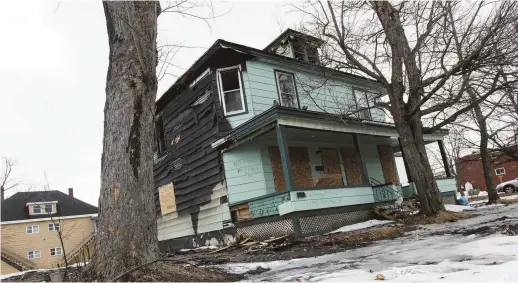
[278, 86]
[32, 229]
[53, 225]
[501, 168]
[355, 89]
[160, 136]
[37, 206]
[51, 208]
[56, 251]
[241, 91]
[34, 254]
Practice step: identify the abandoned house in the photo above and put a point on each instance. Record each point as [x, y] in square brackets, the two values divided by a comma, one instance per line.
[271, 142]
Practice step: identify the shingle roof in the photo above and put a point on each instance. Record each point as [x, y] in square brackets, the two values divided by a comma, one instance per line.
[15, 207]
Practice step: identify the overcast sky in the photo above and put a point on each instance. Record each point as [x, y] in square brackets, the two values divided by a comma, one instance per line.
[53, 62]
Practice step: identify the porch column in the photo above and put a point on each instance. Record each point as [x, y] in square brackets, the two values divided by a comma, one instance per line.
[359, 160]
[444, 158]
[285, 157]
[408, 177]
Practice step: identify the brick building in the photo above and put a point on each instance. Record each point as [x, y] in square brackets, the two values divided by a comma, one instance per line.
[469, 169]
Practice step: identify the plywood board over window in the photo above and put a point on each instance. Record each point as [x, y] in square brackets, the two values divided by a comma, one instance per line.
[388, 164]
[332, 171]
[300, 168]
[352, 166]
[167, 199]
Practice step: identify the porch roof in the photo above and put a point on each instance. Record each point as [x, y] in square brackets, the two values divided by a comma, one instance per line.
[306, 119]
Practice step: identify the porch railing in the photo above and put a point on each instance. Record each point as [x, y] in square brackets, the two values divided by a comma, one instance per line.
[384, 192]
[21, 262]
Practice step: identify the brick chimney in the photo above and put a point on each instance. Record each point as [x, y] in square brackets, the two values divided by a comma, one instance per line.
[71, 192]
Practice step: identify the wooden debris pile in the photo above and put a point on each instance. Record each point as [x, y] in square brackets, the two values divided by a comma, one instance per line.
[389, 212]
[251, 246]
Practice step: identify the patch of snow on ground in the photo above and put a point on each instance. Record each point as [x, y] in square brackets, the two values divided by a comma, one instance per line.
[509, 197]
[418, 257]
[361, 225]
[457, 208]
[501, 197]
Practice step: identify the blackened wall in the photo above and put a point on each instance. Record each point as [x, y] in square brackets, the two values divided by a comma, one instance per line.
[190, 163]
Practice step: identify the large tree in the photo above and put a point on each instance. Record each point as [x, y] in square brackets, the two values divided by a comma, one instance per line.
[408, 48]
[127, 232]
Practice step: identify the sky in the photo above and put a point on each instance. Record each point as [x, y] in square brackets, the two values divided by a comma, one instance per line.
[53, 63]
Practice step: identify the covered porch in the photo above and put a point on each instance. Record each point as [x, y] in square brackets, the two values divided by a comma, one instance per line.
[292, 163]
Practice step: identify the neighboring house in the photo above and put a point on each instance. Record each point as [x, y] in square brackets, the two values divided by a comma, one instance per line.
[469, 169]
[268, 143]
[30, 221]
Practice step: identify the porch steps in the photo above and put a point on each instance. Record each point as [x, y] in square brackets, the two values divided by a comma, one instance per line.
[17, 261]
[75, 254]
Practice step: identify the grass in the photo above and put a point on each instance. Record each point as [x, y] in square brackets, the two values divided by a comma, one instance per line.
[442, 217]
[507, 201]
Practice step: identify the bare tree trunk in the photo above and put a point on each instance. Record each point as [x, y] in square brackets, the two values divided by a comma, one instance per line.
[485, 157]
[127, 232]
[419, 166]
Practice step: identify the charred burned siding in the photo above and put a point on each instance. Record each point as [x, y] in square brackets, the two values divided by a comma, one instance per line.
[189, 162]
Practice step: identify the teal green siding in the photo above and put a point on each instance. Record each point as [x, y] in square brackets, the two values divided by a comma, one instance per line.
[267, 206]
[369, 152]
[446, 184]
[325, 198]
[335, 96]
[244, 173]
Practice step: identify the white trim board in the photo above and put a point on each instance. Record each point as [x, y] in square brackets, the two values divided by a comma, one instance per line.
[41, 202]
[48, 218]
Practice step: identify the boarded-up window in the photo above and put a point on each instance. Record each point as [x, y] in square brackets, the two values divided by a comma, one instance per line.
[352, 166]
[167, 199]
[332, 174]
[300, 168]
[388, 164]
[241, 212]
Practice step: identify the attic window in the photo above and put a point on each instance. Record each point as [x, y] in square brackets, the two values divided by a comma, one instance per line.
[231, 90]
[42, 209]
[304, 51]
[286, 89]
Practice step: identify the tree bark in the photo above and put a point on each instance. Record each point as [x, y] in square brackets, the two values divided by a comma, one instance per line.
[484, 154]
[413, 146]
[410, 128]
[127, 231]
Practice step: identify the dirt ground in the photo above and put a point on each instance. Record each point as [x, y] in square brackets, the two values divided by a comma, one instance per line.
[197, 271]
[157, 272]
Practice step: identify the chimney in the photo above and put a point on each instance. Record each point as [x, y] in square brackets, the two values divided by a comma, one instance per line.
[71, 192]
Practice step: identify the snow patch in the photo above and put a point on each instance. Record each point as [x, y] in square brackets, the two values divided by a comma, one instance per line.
[418, 257]
[457, 208]
[361, 225]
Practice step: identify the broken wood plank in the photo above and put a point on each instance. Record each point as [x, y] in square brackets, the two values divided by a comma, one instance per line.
[223, 249]
[276, 239]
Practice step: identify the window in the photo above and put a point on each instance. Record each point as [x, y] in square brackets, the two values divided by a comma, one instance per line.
[34, 254]
[53, 227]
[33, 229]
[42, 209]
[362, 104]
[231, 91]
[48, 208]
[159, 136]
[286, 89]
[55, 251]
[500, 171]
[36, 209]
